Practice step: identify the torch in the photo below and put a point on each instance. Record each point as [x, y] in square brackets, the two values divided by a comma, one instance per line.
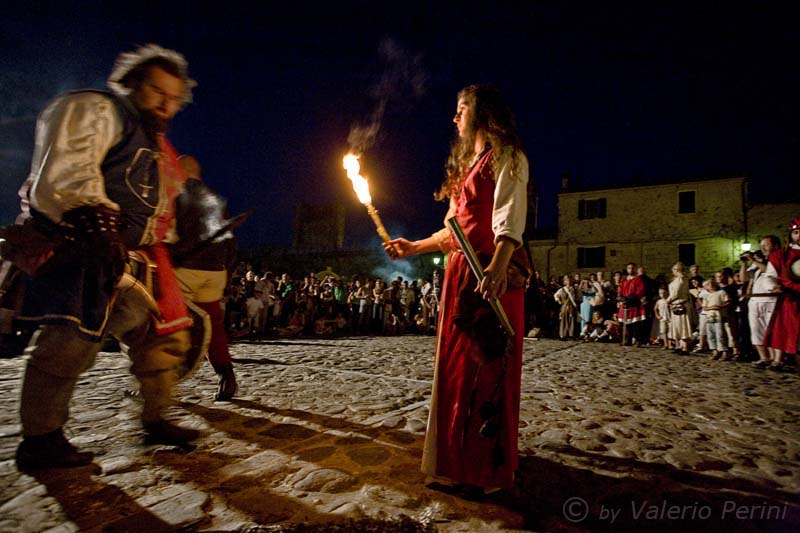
[361, 187]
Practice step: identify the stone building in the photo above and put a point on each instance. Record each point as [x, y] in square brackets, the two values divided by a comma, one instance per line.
[318, 227]
[704, 222]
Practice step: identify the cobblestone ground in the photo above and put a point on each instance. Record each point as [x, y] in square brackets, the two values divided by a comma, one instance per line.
[329, 432]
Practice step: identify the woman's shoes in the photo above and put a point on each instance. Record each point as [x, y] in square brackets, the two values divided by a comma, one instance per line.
[761, 363]
[776, 366]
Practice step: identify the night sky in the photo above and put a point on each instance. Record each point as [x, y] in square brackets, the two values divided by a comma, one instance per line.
[612, 94]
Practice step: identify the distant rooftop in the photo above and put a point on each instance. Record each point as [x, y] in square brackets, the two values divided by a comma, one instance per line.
[575, 185]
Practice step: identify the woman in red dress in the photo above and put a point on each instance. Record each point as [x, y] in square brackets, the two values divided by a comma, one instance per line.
[471, 438]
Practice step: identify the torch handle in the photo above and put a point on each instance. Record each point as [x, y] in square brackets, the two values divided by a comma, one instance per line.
[477, 269]
[382, 233]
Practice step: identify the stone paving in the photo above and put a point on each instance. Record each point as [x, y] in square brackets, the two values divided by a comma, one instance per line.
[327, 434]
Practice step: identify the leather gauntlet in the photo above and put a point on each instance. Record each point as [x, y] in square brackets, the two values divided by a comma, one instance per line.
[97, 229]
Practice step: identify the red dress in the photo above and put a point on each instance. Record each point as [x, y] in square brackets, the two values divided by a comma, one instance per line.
[454, 448]
[631, 312]
[784, 328]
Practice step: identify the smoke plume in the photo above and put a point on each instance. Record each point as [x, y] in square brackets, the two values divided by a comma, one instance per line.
[402, 80]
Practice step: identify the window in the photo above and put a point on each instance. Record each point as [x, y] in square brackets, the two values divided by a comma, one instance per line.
[686, 202]
[592, 257]
[686, 254]
[592, 208]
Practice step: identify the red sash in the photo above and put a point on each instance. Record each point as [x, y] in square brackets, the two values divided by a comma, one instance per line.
[174, 314]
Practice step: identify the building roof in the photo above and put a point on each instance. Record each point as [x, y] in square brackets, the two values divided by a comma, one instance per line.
[650, 183]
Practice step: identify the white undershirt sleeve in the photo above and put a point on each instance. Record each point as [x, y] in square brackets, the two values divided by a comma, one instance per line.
[510, 197]
[73, 136]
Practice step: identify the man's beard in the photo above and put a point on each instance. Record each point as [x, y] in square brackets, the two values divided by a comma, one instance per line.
[152, 123]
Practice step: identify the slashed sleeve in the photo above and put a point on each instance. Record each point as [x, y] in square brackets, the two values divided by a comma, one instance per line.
[73, 136]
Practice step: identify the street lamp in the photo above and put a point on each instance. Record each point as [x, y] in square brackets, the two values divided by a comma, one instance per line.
[437, 260]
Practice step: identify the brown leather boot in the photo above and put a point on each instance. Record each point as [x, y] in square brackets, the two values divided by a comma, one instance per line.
[163, 432]
[51, 450]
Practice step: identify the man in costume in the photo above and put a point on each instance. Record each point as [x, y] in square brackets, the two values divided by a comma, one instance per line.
[103, 182]
[783, 333]
[471, 439]
[761, 279]
[203, 256]
[631, 312]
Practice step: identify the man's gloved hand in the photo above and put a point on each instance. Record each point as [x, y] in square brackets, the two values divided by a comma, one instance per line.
[97, 228]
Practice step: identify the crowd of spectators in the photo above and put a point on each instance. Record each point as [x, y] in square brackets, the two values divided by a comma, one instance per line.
[725, 315]
[264, 305]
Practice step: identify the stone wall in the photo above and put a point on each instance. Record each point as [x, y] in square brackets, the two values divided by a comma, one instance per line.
[641, 214]
[770, 219]
[642, 224]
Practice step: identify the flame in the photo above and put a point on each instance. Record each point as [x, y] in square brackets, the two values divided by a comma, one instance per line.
[360, 184]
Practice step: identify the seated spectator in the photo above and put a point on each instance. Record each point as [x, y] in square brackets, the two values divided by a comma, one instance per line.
[613, 331]
[324, 327]
[595, 329]
[341, 324]
[295, 326]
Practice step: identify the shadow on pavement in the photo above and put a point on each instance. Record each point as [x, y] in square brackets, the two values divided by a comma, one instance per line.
[641, 496]
[321, 344]
[376, 458]
[92, 505]
[248, 361]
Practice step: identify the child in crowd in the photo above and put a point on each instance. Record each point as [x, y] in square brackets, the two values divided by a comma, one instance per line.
[726, 283]
[702, 344]
[714, 307]
[661, 313]
[613, 331]
[254, 305]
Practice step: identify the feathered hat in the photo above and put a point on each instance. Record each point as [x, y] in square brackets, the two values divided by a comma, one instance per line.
[127, 61]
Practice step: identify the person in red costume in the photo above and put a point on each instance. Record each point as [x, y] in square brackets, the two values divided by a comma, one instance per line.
[783, 332]
[471, 440]
[631, 311]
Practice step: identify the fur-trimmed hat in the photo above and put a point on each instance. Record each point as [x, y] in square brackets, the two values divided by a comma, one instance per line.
[795, 223]
[127, 61]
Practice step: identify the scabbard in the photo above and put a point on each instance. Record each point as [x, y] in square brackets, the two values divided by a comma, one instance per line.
[477, 269]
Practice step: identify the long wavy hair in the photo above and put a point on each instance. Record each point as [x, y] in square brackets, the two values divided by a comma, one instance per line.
[494, 118]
